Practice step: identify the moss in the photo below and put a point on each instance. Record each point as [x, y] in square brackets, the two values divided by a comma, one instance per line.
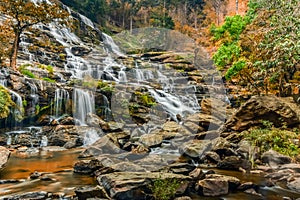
[23, 69]
[280, 140]
[49, 80]
[5, 102]
[145, 99]
[164, 189]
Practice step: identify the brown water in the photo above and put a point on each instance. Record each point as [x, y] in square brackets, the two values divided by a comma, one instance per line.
[58, 166]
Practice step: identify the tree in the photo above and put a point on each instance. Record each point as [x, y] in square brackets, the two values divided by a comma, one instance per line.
[24, 14]
[6, 33]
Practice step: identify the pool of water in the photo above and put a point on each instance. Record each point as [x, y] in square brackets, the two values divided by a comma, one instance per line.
[56, 166]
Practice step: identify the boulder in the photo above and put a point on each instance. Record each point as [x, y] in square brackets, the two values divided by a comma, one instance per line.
[294, 184]
[195, 148]
[215, 107]
[87, 192]
[271, 108]
[151, 140]
[234, 163]
[134, 185]
[4, 156]
[273, 158]
[206, 121]
[216, 185]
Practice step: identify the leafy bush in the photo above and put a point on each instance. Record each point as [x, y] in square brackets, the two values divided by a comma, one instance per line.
[279, 140]
[164, 189]
[226, 54]
[5, 102]
[235, 69]
[23, 69]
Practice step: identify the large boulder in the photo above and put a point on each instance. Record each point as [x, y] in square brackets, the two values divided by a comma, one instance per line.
[216, 185]
[271, 108]
[4, 155]
[135, 185]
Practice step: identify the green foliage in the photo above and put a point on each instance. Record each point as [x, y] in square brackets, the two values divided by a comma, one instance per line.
[23, 69]
[5, 102]
[235, 69]
[49, 80]
[164, 189]
[146, 99]
[269, 137]
[226, 55]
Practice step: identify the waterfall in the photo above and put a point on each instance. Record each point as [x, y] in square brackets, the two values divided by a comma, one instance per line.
[173, 104]
[24, 45]
[83, 103]
[122, 75]
[112, 45]
[61, 99]
[91, 136]
[33, 95]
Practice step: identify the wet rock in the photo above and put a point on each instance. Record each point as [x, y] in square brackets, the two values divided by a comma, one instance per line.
[211, 156]
[80, 50]
[246, 186]
[4, 156]
[197, 174]
[102, 146]
[258, 108]
[67, 121]
[273, 158]
[30, 195]
[234, 163]
[292, 166]
[87, 166]
[252, 192]
[195, 148]
[35, 175]
[134, 185]
[172, 129]
[91, 192]
[183, 198]
[294, 184]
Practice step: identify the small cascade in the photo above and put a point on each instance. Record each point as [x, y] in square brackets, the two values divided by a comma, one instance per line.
[86, 21]
[19, 110]
[44, 141]
[105, 109]
[24, 45]
[33, 95]
[112, 45]
[61, 100]
[122, 75]
[83, 103]
[139, 75]
[91, 136]
[174, 105]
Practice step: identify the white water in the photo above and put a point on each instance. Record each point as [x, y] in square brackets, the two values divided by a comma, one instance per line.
[33, 94]
[60, 100]
[90, 137]
[112, 45]
[83, 103]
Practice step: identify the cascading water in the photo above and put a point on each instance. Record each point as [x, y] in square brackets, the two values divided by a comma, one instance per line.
[112, 45]
[33, 95]
[83, 103]
[61, 100]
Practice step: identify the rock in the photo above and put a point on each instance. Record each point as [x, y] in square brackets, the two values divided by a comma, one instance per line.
[252, 192]
[258, 108]
[216, 185]
[30, 195]
[67, 121]
[234, 163]
[87, 192]
[246, 186]
[197, 174]
[206, 121]
[212, 157]
[213, 187]
[134, 185]
[273, 158]
[4, 156]
[215, 107]
[292, 166]
[35, 175]
[151, 140]
[172, 129]
[294, 184]
[183, 198]
[102, 146]
[195, 148]
[87, 166]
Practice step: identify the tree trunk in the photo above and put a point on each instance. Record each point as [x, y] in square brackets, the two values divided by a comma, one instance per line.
[131, 23]
[14, 51]
[236, 6]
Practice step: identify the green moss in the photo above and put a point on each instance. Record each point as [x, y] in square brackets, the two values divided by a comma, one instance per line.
[5, 102]
[23, 69]
[49, 80]
[164, 189]
[146, 99]
[282, 141]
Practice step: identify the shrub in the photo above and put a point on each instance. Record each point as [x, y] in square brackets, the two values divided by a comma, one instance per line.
[5, 102]
[277, 139]
[164, 189]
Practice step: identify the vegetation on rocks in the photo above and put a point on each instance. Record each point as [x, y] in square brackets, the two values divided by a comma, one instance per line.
[278, 139]
[164, 189]
[5, 102]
